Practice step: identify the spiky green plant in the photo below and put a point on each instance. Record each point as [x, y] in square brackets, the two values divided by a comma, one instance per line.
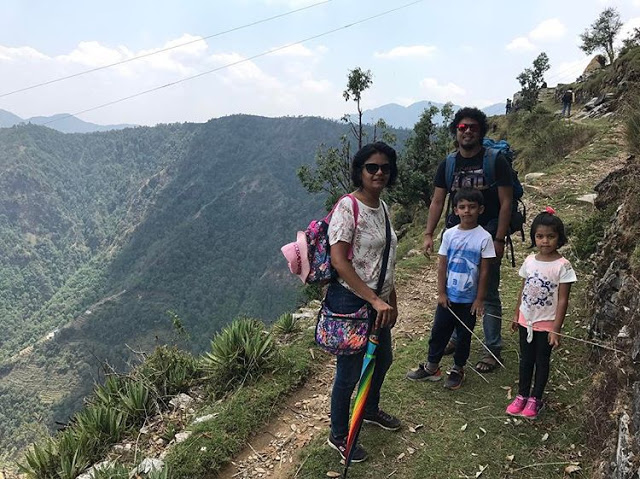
[108, 394]
[137, 402]
[169, 370]
[41, 461]
[286, 324]
[75, 449]
[105, 424]
[240, 351]
[114, 471]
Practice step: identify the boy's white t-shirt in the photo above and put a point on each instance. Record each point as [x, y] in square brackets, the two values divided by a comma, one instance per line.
[368, 243]
[464, 250]
[540, 293]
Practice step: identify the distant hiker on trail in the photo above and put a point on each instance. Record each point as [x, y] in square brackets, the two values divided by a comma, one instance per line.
[373, 168]
[567, 100]
[463, 272]
[469, 126]
[507, 108]
[542, 306]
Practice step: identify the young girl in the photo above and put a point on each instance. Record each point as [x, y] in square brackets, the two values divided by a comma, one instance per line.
[540, 311]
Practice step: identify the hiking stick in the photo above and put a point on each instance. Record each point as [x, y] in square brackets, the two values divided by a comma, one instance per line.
[592, 343]
[480, 374]
[476, 336]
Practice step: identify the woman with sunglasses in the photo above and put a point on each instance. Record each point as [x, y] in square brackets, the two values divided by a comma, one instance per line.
[372, 170]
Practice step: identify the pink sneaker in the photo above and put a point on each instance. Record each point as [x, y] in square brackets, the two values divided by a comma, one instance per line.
[516, 407]
[532, 409]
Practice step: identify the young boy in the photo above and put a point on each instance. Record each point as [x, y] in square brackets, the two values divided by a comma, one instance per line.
[463, 266]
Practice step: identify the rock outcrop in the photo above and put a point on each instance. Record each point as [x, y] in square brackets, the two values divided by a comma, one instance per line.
[615, 297]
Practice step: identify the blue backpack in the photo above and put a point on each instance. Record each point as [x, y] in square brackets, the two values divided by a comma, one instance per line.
[492, 150]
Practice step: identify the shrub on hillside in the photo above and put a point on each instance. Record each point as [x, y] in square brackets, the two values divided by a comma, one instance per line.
[586, 234]
[242, 350]
[544, 139]
[286, 324]
[169, 370]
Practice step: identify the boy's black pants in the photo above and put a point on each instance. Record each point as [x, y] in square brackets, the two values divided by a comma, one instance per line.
[444, 323]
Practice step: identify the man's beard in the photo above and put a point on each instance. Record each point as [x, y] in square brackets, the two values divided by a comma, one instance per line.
[468, 146]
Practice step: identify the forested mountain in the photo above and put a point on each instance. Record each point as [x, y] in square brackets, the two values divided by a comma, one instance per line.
[399, 116]
[103, 233]
[62, 122]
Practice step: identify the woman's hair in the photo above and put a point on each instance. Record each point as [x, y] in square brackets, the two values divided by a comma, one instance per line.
[470, 194]
[365, 153]
[547, 219]
[472, 113]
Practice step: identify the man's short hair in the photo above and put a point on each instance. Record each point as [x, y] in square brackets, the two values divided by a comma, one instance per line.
[474, 114]
[470, 194]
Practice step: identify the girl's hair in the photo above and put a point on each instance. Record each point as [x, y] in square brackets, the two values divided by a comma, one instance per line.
[548, 219]
[366, 152]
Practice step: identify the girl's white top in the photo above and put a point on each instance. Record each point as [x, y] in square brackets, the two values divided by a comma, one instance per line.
[540, 293]
[368, 243]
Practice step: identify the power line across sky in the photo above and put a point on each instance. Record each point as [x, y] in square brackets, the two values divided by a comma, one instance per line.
[244, 60]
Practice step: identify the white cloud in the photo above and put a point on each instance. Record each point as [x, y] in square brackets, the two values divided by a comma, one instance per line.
[20, 53]
[441, 93]
[520, 44]
[566, 72]
[413, 51]
[404, 101]
[551, 29]
[627, 30]
[298, 50]
[292, 83]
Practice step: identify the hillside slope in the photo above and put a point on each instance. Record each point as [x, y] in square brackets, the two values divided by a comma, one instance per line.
[106, 232]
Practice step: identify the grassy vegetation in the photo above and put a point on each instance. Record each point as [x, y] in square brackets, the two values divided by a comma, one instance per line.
[239, 355]
[214, 442]
[443, 446]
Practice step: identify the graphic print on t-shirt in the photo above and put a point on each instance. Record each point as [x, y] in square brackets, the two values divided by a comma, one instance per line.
[538, 291]
[463, 272]
[472, 178]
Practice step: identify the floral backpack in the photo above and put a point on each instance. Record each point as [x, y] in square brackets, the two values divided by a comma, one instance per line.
[309, 257]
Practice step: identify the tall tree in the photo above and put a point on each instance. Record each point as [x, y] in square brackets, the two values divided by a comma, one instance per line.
[357, 82]
[601, 34]
[424, 150]
[531, 80]
[332, 170]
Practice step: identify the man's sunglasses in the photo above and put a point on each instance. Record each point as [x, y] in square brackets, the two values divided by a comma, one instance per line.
[372, 168]
[474, 127]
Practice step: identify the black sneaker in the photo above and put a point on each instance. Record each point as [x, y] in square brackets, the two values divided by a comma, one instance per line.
[340, 445]
[422, 374]
[383, 420]
[454, 379]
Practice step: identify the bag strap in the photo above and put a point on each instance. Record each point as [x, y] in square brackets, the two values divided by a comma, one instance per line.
[387, 250]
[489, 165]
[356, 213]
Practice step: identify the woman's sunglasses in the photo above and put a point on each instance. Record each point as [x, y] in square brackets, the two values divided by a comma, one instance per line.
[372, 168]
[474, 127]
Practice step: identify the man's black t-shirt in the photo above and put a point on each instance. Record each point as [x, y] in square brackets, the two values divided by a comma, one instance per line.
[468, 174]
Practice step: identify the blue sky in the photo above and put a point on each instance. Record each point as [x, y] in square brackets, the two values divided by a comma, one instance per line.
[467, 52]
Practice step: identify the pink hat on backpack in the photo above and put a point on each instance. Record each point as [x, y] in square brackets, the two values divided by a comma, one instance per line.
[297, 257]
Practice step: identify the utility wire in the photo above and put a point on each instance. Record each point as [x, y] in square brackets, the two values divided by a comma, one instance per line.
[145, 55]
[228, 65]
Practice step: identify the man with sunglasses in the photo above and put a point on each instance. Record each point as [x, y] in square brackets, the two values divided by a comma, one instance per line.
[469, 126]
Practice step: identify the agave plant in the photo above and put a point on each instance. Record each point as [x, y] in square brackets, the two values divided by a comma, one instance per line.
[75, 450]
[286, 324]
[108, 394]
[241, 350]
[136, 402]
[169, 370]
[41, 461]
[103, 423]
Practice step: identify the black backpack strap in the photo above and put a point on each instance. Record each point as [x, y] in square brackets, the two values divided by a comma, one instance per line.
[387, 250]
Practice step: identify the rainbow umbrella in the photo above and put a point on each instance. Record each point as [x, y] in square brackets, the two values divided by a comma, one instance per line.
[368, 365]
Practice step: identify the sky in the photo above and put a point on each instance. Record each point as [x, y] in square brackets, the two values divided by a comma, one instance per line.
[467, 52]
